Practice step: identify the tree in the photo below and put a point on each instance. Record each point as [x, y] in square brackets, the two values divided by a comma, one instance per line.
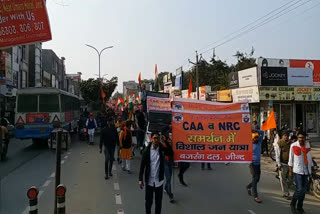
[90, 89]
[244, 61]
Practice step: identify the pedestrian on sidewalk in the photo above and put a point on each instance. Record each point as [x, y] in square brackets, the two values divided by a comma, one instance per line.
[257, 137]
[168, 163]
[300, 163]
[91, 125]
[282, 158]
[109, 139]
[152, 167]
[126, 142]
[183, 166]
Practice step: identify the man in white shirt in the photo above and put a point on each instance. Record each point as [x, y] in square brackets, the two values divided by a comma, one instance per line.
[300, 163]
[152, 166]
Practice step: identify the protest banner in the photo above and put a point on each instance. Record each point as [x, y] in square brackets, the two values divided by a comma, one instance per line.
[23, 22]
[211, 136]
[199, 105]
[158, 104]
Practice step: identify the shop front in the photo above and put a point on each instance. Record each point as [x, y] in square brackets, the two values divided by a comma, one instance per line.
[294, 107]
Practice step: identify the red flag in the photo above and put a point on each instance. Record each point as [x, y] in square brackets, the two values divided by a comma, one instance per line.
[139, 78]
[270, 122]
[190, 87]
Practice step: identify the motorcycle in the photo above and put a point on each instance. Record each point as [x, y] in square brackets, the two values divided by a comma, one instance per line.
[83, 134]
[314, 181]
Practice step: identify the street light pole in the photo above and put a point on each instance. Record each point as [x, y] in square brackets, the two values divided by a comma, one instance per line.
[99, 54]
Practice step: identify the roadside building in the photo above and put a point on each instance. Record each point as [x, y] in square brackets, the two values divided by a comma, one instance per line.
[290, 87]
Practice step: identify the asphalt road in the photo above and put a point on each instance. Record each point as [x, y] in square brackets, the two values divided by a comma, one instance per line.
[221, 190]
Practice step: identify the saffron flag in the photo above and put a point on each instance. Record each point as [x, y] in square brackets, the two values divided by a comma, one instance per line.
[103, 94]
[190, 87]
[139, 79]
[270, 122]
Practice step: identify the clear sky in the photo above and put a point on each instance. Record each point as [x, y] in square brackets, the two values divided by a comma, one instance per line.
[167, 32]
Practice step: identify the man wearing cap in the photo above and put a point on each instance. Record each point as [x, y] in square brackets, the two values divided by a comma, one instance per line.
[91, 125]
[257, 137]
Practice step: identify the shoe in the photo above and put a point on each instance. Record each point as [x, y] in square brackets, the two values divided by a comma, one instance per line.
[258, 200]
[288, 197]
[183, 183]
[106, 177]
[129, 172]
[277, 177]
[300, 211]
[249, 191]
[293, 209]
[171, 200]
[110, 174]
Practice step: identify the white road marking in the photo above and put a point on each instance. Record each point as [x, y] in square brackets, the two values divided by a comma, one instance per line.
[114, 168]
[118, 199]
[115, 176]
[116, 186]
[251, 212]
[120, 212]
[68, 153]
[46, 183]
[40, 193]
[53, 175]
[66, 157]
[62, 162]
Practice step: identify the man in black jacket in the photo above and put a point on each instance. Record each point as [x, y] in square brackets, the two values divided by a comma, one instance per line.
[152, 166]
[109, 138]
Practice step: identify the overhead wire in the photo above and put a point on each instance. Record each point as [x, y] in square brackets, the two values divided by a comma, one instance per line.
[270, 19]
[251, 23]
[285, 6]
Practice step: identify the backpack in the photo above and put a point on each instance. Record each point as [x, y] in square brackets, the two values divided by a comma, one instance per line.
[126, 141]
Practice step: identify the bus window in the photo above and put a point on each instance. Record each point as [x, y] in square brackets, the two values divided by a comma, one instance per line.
[27, 103]
[49, 103]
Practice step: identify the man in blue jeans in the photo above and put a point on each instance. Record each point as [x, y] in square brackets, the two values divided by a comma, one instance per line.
[300, 163]
[257, 137]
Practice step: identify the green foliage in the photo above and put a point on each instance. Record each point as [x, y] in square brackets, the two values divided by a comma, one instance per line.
[244, 61]
[90, 89]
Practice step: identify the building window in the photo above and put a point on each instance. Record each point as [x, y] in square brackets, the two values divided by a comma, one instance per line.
[23, 54]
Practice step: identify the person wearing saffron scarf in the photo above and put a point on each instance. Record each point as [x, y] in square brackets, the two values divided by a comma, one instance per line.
[126, 142]
[300, 163]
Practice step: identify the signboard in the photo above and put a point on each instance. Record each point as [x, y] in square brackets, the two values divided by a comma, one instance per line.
[274, 76]
[9, 76]
[300, 76]
[37, 118]
[269, 62]
[224, 96]
[23, 21]
[312, 64]
[316, 94]
[202, 92]
[179, 78]
[248, 77]
[234, 80]
[209, 136]
[248, 94]
[277, 93]
[303, 94]
[158, 104]
[2, 68]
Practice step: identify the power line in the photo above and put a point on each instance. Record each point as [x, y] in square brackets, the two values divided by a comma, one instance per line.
[234, 32]
[256, 26]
